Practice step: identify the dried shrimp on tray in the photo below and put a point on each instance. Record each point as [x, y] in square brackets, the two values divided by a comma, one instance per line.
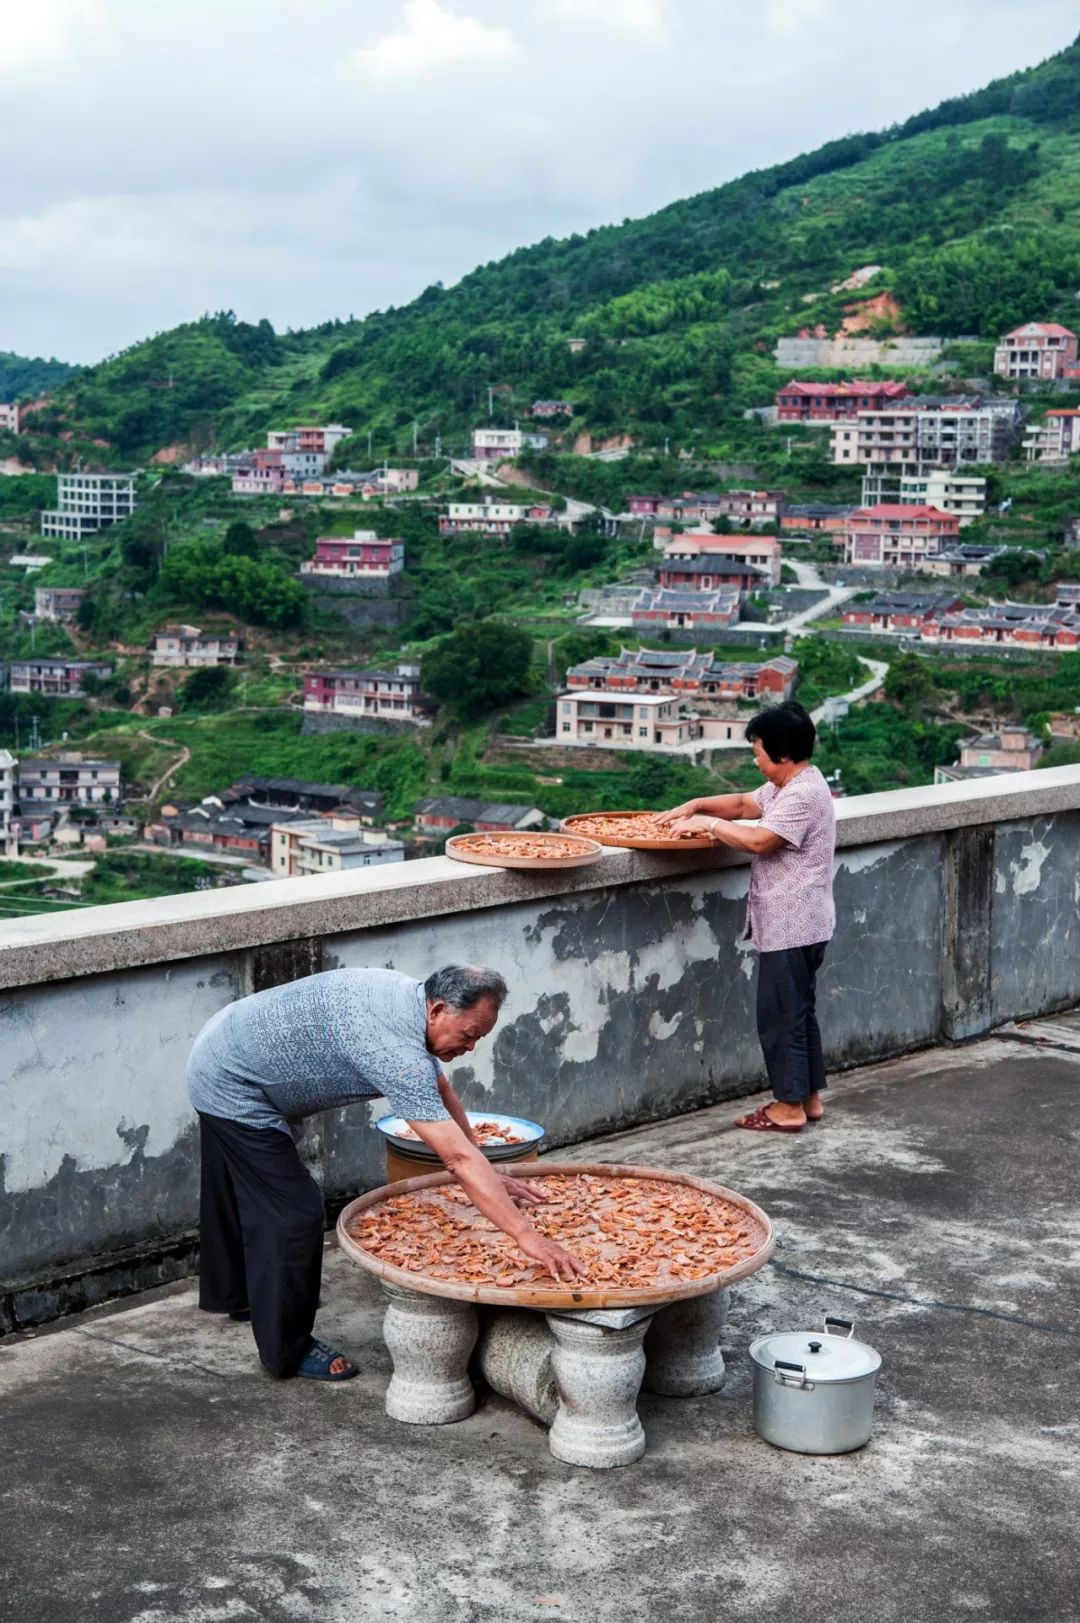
[639, 830]
[645, 1236]
[528, 849]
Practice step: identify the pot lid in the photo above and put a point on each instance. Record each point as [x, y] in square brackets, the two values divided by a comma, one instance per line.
[824, 1357]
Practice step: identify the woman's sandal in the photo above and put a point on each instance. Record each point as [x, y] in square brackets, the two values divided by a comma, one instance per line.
[315, 1364]
[759, 1121]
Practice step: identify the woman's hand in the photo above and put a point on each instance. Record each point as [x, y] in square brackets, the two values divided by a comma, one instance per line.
[694, 824]
[687, 809]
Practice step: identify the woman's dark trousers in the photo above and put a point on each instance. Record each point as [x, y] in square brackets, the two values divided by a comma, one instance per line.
[261, 1224]
[786, 1022]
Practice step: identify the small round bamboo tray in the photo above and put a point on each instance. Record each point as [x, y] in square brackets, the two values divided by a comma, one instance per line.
[527, 850]
[595, 830]
[576, 1297]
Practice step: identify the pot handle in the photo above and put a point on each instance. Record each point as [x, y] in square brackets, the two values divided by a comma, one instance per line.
[785, 1373]
[845, 1324]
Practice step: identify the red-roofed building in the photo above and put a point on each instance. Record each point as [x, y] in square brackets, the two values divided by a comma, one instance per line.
[830, 402]
[1039, 349]
[896, 535]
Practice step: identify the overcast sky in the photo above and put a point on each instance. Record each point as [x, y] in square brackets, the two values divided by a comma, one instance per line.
[302, 159]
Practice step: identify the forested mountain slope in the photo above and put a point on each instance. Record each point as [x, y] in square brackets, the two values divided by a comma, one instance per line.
[970, 208]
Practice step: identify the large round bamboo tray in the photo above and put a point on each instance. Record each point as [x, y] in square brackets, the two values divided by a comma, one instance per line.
[595, 830]
[484, 850]
[576, 1297]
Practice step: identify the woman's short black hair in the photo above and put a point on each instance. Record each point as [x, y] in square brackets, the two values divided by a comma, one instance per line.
[785, 731]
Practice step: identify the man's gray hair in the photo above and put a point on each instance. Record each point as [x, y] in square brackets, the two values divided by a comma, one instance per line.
[462, 986]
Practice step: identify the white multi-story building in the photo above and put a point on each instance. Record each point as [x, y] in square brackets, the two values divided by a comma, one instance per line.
[1056, 439]
[319, 845]
[188, 646]
[89, 502]
[961, 494]
[69, 780]
[9, 417]
[917, 436]
[8, 768]
[57, 603]
[503, 444]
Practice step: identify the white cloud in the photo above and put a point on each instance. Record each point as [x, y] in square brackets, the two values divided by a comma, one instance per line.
[648, 17]
[46, 35]
[787, 18]
[433, 37]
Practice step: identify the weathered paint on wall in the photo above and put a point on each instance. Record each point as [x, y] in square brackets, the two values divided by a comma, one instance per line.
[1035, 931]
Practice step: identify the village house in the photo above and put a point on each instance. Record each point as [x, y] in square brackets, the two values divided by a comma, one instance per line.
[1014, 749]
[497, 518]
[388, 695]
[57, 603]
[708, 614]
[961, 494]
[1032, 626]
[1064, 726]
[68, 779]
[188, 646]
[750, 508]
[504, 444]
[1039, 349]
[761, 552]
[264, 475]
[363, 557]
[441, 814]
[646, 721]
[963, 560]
[57, 678]
[321, 845]
[816, 518]
[89, 502]
[9, 417]
[1055, 439]
[897, 536]
[685, 671]
[831, 402]
[300, 796]
[8, 771]
[915, 436]
[310, 441]
[707, 574]
[240, 832]
[552, 408]
[897, 611]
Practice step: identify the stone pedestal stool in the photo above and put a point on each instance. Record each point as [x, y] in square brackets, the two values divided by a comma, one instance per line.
[514, 1355]
[682, 1347]
[598, 1362]
[429, 1339]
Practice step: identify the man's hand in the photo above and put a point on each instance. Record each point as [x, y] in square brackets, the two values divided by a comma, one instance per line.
[558, 1261]
[525, 1194]
[687, 809]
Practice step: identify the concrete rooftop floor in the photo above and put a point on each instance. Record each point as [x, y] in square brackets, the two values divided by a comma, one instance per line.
[149, 1473]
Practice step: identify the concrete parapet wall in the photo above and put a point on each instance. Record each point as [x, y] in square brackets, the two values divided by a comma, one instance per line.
[631, 998]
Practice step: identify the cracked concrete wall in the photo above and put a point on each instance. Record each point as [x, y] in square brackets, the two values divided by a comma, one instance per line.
[627, 1003]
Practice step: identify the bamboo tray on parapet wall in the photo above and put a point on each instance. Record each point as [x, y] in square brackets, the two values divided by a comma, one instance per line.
[582, 1296]
[617, 828]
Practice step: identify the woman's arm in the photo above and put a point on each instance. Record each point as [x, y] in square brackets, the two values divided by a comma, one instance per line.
[729, 807]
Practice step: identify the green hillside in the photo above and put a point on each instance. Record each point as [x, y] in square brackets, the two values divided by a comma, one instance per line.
[970, 208]
[22, 376]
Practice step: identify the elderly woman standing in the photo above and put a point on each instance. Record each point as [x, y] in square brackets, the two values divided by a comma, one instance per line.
[790, 915]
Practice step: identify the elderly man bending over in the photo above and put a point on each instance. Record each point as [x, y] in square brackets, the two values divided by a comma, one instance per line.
[267, 1061]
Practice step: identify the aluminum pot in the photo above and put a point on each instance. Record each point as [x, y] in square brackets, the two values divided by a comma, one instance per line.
[814, 1393]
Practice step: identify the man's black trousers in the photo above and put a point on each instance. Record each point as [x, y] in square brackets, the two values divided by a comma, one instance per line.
[786, 1022]
[261, 1223]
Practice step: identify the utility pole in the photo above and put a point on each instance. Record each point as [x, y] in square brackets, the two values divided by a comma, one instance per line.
[438, 445]
[415, 427]
[369, 444]
[35, 736]
[667, 446]
[491, 401]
